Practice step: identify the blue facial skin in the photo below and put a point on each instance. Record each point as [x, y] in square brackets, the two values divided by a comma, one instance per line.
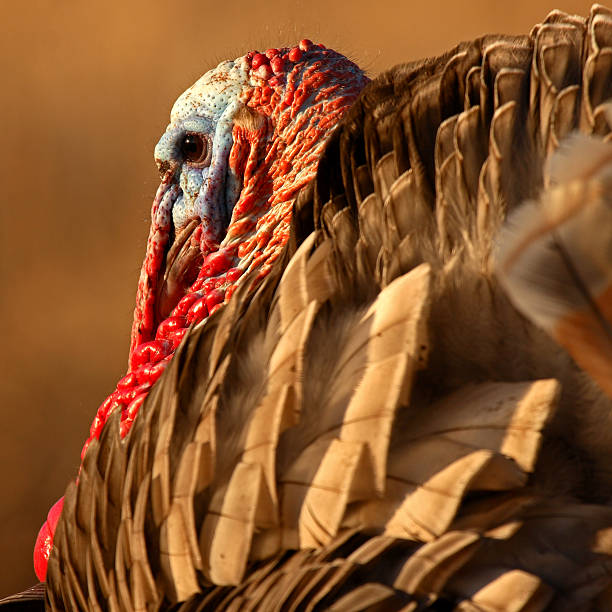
[194, 152]
[209, 189]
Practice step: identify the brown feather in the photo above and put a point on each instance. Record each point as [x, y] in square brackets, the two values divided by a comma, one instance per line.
[377, 426]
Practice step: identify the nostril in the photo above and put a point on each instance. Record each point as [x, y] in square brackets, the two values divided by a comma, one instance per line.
[166, 169]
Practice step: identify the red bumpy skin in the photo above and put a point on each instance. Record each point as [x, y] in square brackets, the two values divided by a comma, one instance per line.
[284, 103]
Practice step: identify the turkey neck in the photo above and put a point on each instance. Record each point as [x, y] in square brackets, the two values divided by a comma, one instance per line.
[293, 97]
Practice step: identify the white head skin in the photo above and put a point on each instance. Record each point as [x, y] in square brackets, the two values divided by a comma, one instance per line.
[197, 143]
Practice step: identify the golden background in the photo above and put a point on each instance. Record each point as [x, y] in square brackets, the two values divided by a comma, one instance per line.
[85, 92]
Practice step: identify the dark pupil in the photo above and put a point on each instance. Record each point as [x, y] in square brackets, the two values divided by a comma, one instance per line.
[193, 147]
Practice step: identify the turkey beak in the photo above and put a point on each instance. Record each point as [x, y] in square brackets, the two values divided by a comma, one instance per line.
[167, 154]
[167, 169]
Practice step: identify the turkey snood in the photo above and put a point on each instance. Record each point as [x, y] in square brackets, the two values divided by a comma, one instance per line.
[241, 143]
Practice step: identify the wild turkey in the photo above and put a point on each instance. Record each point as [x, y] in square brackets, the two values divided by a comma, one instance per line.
[369, 422]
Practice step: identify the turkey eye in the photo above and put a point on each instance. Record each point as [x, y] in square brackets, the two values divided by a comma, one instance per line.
[195, 149]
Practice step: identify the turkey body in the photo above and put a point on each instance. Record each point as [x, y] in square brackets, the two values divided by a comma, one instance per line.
[375, 426]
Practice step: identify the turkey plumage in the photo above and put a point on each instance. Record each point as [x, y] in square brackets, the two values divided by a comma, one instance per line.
[373, 424]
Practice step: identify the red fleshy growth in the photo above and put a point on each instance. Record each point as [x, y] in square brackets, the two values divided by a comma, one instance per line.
[216, 263]
[102, 414]
[197, 311]
[234, 274]
[129, 414]
[169, 325]
[295, 55]
[288, 99]
[124, 396]
[213, 298]
[150, 372]
[149, 352]
[208, 285]
[277, 63]
[185, 303]
[258, 60]
[305, 44]
[54, 513]
[215, 308]
[129, 380]
[159, 233]
[270, 53]
[177, 337]
[44, 540]
[42, 550]
[263, 237]
[244, 205]
[132, 410]
[264, 72]
[199, 283]
[246, 247]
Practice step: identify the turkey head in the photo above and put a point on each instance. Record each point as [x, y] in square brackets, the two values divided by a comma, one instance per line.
[241, 143]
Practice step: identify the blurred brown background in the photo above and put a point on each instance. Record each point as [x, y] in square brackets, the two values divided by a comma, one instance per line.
[85, 91]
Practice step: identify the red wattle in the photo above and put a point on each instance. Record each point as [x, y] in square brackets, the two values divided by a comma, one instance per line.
[42, 549]
[198, 311]
[150, 352]
[182, 308]
[234, 274]
[216, 263]
[44, 540]
[213, 298]
[55, 513]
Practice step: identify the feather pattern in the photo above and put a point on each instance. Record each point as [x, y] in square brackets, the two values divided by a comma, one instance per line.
[556, 257]
[376, 426]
